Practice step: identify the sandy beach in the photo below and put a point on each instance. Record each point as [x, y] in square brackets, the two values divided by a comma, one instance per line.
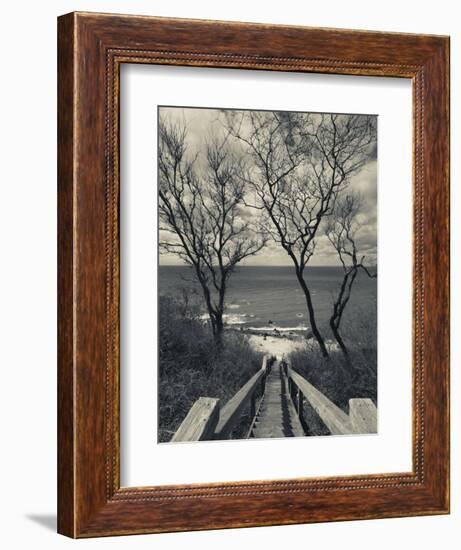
[275, 345]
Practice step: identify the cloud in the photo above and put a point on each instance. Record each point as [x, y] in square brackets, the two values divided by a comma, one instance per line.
[200, 122]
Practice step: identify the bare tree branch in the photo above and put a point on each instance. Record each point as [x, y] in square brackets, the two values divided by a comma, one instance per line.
[200, 201]
[341, 231]
[300, 162]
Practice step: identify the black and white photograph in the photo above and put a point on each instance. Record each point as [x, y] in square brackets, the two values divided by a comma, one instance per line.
[229, 239]
[267, 274]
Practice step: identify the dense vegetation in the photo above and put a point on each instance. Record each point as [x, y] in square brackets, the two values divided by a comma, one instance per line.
[192, 364]
[336, 378]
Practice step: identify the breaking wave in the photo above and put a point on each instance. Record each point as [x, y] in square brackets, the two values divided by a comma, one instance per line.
[273, 328]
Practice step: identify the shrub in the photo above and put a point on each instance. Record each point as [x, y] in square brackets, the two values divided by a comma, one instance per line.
[192, 365]
[336, 378]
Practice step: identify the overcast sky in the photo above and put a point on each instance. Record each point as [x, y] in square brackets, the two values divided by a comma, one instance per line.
[200, 123]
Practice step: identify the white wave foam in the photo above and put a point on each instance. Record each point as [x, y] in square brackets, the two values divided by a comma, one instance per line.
[234, 319]
[230, 318]
[273, 328]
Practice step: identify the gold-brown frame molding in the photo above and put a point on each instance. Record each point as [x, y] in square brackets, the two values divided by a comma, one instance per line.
[91, 48]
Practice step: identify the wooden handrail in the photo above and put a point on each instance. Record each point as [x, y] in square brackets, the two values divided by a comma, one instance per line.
[361, 420]
[204, 421]
[232, 410]
[200, 422]
[336, 420]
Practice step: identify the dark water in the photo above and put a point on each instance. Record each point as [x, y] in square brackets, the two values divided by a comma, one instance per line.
[271, 297]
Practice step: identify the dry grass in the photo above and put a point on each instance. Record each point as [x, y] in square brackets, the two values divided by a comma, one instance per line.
[191, 365]
[338, 379]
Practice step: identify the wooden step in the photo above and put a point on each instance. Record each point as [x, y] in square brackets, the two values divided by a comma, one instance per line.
[277, 416]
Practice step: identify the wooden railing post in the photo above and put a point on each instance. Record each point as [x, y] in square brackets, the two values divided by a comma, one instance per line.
[299, 403]
[363, 415]
[253, 406]
[200, 422]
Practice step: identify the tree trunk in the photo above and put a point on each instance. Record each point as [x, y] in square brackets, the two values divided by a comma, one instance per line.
[310, 308]
[219, 322]
[341, 344]
[219, 327]
[338, 310]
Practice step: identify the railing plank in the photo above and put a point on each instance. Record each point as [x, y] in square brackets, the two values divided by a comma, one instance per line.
[200, 422]
[363, 415]
[336, 420]
[231, 411]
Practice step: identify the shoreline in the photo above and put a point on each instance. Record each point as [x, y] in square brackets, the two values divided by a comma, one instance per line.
[294, 334]
[277, 344]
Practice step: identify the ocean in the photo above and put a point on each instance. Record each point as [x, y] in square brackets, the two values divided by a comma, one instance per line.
[268, 297]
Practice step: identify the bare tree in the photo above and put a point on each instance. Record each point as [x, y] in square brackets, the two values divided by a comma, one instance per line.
[341, 230]
[301, 162]
[200, 202]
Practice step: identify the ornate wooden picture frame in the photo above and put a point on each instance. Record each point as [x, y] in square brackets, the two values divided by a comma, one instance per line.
[92, 48]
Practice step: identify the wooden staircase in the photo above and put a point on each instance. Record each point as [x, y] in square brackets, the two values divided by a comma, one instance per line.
[275, 398]
[276, 416]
